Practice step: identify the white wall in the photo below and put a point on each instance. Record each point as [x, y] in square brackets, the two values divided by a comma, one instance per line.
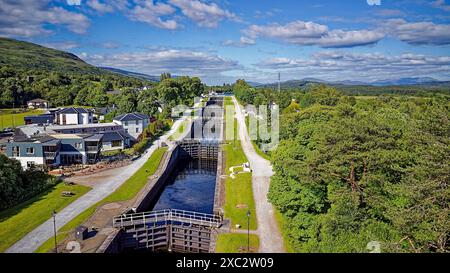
[107, 146]
[131, 127]
[71, 119]
[25, 160]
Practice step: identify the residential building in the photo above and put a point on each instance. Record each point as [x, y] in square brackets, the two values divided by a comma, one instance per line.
[55, 150]
[113, 133]
[38, 104]
[117, 140]
[133, 123]
[74, 116]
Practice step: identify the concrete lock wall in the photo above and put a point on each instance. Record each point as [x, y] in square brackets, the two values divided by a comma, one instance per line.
[172, 236]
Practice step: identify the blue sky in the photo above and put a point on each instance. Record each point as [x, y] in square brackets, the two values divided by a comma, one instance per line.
[223, 40]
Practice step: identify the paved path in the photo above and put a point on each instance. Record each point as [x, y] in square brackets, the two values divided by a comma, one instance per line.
[113, 180]
[269, 234]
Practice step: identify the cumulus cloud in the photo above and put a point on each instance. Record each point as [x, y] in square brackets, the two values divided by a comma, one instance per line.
[310, 33]
[73, 2]
[338, 65]
[243, 42]
[180, 62]
[440, 4]
[67, 45]
[99, 6]
[418, 33]
[204, 14]
[150, 13]
[27, 18]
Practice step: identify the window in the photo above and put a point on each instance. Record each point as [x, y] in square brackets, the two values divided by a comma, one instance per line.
[79, 145]
[126, 123]
[126, 130]
[30, 151]
[116, 144]
[30, 164]
[16, 151]
[137, 122]
[137, 130]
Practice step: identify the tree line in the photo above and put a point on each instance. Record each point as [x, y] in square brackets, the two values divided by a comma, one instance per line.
[354, 170]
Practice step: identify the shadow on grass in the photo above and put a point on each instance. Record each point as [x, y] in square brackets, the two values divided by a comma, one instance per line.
[10, 212]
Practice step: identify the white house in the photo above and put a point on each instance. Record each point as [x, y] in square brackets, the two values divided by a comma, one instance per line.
[133, 123]
[38, 104]
[74, 116]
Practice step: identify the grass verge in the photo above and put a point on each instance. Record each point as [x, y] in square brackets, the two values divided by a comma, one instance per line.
[127, 191]
[255, 145]
[180, 130]
[17, 221]
[236, 243]
[238, 191]
[282, 224]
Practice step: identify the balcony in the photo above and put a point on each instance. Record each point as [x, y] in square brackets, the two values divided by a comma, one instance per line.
[50, 154]
[92, 149]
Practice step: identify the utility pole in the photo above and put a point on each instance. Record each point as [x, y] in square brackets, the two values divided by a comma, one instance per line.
[13, 123]
[279, 82]
[54, 230]
[248, 231]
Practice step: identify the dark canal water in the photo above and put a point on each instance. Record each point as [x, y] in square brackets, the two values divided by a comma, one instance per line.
[191, 187]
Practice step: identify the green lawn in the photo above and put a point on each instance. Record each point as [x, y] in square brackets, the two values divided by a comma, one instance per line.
[238, 191]
[127, 191]
[255, 146]
[16, 222]
[10, 118]
[180, 130]
[236, 243]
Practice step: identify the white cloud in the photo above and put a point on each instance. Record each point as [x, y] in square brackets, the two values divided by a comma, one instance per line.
[310, 33]
[99, 6]
[338, 65]
[440, 4]
[204, 14]
[73, 2]
[27, 18]
[243, 42]
[151, 13]
[179, 62]
[62, 45]
[418, 33]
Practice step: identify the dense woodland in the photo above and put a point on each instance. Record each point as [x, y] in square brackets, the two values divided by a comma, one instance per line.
[352, 170]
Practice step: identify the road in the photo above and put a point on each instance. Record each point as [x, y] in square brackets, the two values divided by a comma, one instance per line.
[269, 234]
[112, 181]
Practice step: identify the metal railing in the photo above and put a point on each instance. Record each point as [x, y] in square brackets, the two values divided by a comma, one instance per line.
[168, 215]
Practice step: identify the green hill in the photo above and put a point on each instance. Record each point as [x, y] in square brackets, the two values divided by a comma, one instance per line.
[24, 55]
[29, 71]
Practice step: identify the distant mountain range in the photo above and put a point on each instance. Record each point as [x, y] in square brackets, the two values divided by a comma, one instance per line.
[133, 74]
[418, 81]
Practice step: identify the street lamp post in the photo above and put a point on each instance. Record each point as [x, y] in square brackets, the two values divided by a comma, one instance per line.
[248, 231]
[54, 230]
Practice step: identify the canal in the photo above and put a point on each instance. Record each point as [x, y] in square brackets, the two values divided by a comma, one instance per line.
[191, 187]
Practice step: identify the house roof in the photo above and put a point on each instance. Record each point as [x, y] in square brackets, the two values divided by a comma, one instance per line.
[37, 101]
[39, 138]
[95, 137]
[115, 136]
[73, 110]
[131, 116]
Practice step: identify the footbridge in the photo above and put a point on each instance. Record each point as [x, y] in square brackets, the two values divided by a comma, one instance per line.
[167, 230]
